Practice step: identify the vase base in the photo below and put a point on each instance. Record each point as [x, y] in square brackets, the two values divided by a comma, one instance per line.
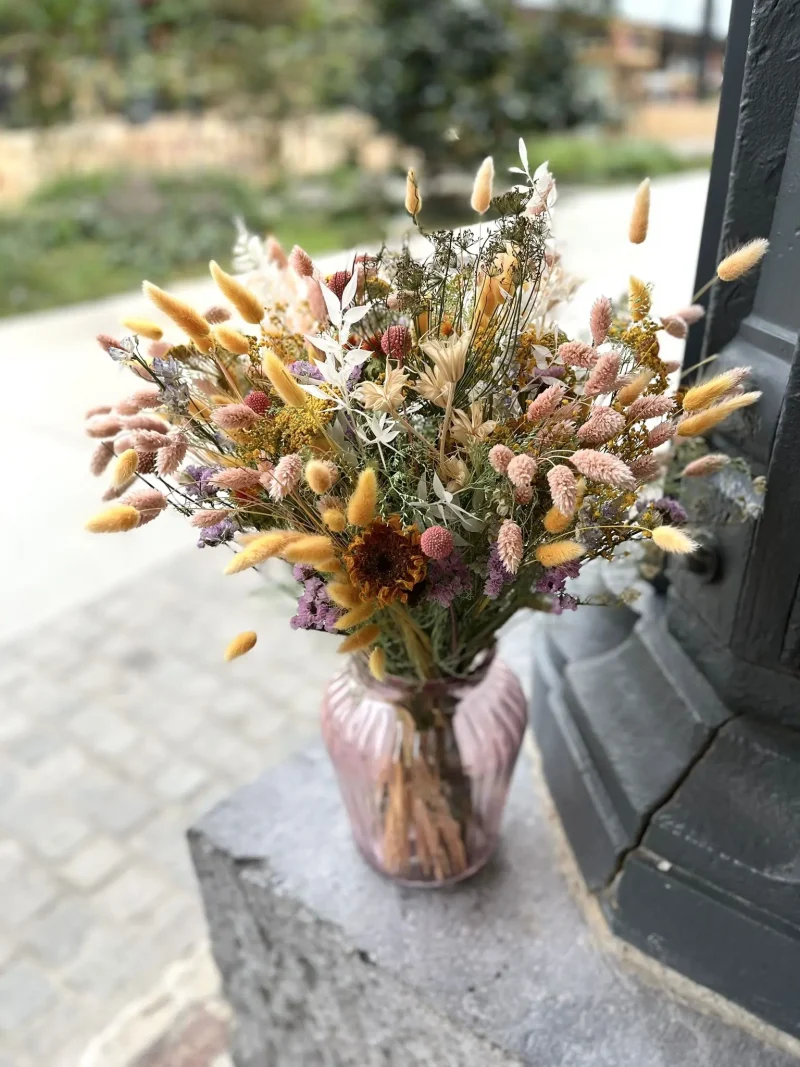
[425, 882]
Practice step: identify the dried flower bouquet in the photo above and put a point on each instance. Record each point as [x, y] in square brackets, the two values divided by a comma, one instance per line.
[418, 437]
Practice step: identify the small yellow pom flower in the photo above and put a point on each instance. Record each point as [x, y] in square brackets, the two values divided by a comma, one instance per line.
[124, 468]
[144, 328]
[232, 339]
[360, 639]
[362, 504]
[246, 303]
[119, 518]
[282, 381]
[240, 645]
[413, 197]
[671, 539]
[559, 552]
[377, 664]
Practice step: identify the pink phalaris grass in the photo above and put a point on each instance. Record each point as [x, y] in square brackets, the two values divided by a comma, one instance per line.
[316, 301]
[709, 464]
[158, 349]
[523, 494]
[645, 468]
[604, 468]
[209, 517]
[660, 434]
[577, 354]
[437, 542]
[147, 501]
[142, 398]
[603, 424]
[236, 478]
[103, 426]
[122, 443]
[286, 476]
[144, 421]
[603, 376]
[691, 314]
[234, 417]
[650, 407]
[546, 402]
[675, 326]
[216, 314]
[600, 319]
[149, 440]
[169, 458]
[499, 458]
[301, 262]
[509, 546]
[114, 492]
[101, 457]
[107, 342]
[521, 471]
[101, 409]
[671, 365]
[274, 252]
[563, 489]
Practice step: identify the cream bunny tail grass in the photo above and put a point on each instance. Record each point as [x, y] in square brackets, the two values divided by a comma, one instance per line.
[240, 645]
[671, 539]
[246, 303]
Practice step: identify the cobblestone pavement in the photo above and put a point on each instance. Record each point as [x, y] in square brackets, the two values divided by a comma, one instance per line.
[120, 724]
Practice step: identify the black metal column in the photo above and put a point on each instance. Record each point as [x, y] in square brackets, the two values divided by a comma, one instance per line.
[671, 743]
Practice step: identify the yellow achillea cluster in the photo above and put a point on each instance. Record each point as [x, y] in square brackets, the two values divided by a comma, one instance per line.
[288, 430]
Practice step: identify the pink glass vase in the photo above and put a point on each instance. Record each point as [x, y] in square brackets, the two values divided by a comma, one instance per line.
[424, 768]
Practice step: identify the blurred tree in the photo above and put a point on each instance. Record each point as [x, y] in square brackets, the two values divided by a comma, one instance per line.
[460, 78]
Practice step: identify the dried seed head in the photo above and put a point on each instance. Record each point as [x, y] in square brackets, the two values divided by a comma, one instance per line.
[675, 326]
[216, 314]
[362, 504]
[603, 467]
[499, 458]
[182, 314]
[377, 664]
[603, 424]
[660, 434]
[521, 471]
[638, 299]
[361, 639]
[510, 546]
[563, 489]
[577, 354]
[603, 375]
[125, 466]
[703, 421]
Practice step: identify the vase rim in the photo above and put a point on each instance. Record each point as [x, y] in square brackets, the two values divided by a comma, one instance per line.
[393, 683]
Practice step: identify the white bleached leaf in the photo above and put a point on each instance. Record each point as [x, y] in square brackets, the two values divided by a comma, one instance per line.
[469, 522]
[523, 155]
[354, 315]
[332, 304]
[516, 170]
[440, 490]
[348, 296]
[324, 343]
[422, 487]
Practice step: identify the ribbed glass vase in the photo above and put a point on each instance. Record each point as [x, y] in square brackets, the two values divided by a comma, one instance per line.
[424, 768]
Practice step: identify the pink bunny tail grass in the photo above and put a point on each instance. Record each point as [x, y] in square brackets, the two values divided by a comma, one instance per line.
[603, 424]
[107, 342]
[234, 417]
[148, 502]
[274, 252]
[660, 434]
[103, 426]
[650, 407]
[645, 468]
[236, 478]
[603, 376]
[145, 421]
[169, 458]
[216, 314]
[286, 476]
[671, 365]
[600, 319]
[563, 489]
[209, 517]
[509, 546]
[101, 409]
[521, 471]
[691, 314]
[158, 349]
[301, 262]
[675, 326]
[114, 492]
[499, 458]
[546, 402]
[143, 372]
[316, 301]
[122, 443]
[705, 465]
[577, 354]
[149, 440]
[101, 457]
[604, 468]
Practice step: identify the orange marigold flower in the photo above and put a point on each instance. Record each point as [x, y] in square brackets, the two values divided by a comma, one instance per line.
[386, 561]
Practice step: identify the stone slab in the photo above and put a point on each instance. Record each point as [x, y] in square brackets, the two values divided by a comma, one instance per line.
[326, 963]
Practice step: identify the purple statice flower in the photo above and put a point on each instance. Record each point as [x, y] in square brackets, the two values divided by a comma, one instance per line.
[216, 535]
[671, 511]
[447, 579]
[315, 611]
[199, 486]
[497, 575]
[563, 603]
[554, 579]
[174, 390]
[303, 368]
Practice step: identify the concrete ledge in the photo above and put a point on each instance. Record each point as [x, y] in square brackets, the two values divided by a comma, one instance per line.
[328, 965]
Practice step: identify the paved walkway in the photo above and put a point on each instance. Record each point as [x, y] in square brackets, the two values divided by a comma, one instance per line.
[118, 720]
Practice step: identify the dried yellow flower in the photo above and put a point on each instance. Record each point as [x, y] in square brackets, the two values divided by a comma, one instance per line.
[240, 645]
[319, 476]
[640, 215]
[246, 303]
[556, 522]
[343, 594]
[362, 504]
[628, 393]
[559, 552]
[334, 519]
[144, 328]
[119, 518]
